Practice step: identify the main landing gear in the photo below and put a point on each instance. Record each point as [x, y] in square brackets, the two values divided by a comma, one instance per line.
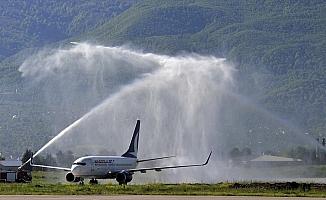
[122, 183]
[93, 181]
[81, 182]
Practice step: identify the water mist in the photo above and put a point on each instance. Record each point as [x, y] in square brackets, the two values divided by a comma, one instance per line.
[177, 99]
[186, 105]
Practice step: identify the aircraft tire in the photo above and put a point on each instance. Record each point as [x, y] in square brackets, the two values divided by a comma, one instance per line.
[93, 181]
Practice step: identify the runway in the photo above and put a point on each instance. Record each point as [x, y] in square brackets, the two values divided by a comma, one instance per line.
[141, 197]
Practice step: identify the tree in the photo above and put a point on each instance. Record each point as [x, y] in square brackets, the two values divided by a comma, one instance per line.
[60, 157]
[69, 158]
[26, 156]
[50, 160]
[65, 158]
[235, 153]
[2, 157]
[246, 151]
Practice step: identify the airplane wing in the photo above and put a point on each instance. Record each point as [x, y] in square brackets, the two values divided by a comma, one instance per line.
[143, 170]
[151, 159]
[52, 167]
[47, 167]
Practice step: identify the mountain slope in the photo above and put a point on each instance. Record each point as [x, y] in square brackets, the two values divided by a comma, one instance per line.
[34, 23]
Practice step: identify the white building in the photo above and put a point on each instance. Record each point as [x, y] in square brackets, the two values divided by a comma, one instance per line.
[10, 165]
[8, 170]
[268, 160]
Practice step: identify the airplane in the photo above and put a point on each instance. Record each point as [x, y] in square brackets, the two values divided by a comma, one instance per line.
[120, 168]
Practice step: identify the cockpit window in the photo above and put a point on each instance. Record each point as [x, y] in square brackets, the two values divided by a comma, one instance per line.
[80, 163]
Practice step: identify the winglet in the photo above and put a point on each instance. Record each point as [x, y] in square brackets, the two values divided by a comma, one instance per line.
[209, 156]
[31, 160]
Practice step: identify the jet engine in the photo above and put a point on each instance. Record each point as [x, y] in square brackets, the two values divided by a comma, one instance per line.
[124, 177]
[71, 178]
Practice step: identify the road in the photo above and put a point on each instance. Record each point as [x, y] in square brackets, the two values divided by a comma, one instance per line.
[140, 197]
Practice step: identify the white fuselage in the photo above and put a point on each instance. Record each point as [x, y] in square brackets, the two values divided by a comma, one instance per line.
[101, 166]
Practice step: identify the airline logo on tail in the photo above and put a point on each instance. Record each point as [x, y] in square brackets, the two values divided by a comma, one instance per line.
[133, 147]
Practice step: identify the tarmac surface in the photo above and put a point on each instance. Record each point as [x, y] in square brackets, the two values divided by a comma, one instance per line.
[141, 197]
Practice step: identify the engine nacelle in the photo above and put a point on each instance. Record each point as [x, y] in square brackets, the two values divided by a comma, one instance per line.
[124, 177]
[71, 178]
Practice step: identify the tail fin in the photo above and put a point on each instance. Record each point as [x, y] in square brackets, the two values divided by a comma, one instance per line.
[133, 147]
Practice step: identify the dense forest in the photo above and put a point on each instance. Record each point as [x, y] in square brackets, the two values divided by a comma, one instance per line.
[36, 23]
[278, 48]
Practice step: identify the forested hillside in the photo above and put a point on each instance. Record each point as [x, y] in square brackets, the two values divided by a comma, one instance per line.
[35, 23]
[278, 48]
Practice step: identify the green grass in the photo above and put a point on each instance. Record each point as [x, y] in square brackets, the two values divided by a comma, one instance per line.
[222, 189]
[48, 184]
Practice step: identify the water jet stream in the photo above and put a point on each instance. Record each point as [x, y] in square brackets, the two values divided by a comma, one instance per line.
[173, 96]
[187, 105]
